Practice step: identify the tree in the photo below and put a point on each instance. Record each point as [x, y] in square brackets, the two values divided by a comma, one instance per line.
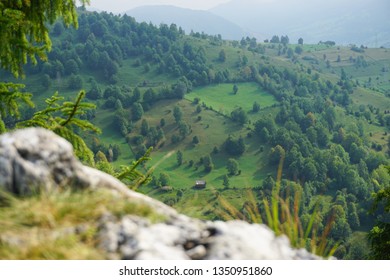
[298, 49]
[177, 114]
[75, 82]
[24, 29]
[58, 28]
[184, 129]
[144, 127]
[379, 235]
[71, 67]
[95, 92]
[276, 154]
[222, 56]
[255, 107]
[239, 115]
[284, 40]
[232, 166]
[45, 81]
[116, 152]
[234, 147]
[179, 157]
[175, 139]
[195, 140]
[136, 95]
[290, 53]
[137, 111]
[24, 35]
[235, 89]
[118, 105]
[275, 39]
[163, 179]
[226, 182]
[300, 41]
[180, 90]
[207, 163]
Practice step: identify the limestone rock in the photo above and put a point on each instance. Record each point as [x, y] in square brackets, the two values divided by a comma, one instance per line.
[34, 159]
[31, 159]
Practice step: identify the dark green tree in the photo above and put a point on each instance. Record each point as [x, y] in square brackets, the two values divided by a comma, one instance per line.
[163, 179]
[75, 82]
[235, 89]
[184, 129]
[195, 140]
[232, 166]
[276, 154]
[222, 56]
[179, 157]
[137, 111]
[144, 127]
[255, 107]
[45, 81]
[95, 92]
[239, 115]
[177, 114]
[226, 182]
[207, 163]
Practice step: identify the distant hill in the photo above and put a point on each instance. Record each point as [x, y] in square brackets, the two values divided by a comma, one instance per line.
[188, 19]
[346, 22]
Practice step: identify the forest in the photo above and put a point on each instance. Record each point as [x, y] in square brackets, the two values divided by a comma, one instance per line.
[245, 116]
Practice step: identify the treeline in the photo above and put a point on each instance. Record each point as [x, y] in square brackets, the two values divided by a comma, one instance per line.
[103, 41]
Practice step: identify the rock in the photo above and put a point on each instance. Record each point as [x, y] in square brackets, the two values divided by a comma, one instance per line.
[197, 253]
[34, 160]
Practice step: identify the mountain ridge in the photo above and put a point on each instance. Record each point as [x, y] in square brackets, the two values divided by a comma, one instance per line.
[361, 23]
[188, 19]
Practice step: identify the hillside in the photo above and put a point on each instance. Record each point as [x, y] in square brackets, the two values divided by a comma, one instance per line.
[345, 22]
[241, 115]
[91, 215]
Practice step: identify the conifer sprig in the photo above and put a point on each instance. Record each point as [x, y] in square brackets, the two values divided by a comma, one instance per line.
[62, 118]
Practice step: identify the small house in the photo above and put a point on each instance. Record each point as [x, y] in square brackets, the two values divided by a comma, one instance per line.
[167, 188]
[200, 184]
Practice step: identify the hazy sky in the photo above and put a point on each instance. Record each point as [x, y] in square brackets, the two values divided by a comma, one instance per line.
[117, 6]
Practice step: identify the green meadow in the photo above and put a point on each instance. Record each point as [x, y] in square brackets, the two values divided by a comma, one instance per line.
[222, 99]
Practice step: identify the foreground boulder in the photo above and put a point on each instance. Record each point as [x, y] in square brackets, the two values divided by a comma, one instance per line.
[34, 160]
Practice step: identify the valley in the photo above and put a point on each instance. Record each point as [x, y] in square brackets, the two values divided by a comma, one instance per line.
[243, 116]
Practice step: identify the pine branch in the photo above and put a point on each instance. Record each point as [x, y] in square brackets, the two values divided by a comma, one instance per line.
[62, 118]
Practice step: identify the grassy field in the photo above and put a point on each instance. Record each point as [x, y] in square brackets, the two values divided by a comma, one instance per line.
[376, 70]
[222, 99]
[212, 130]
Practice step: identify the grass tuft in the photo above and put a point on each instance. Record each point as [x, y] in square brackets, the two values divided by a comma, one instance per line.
[282, 216]
[61, 225]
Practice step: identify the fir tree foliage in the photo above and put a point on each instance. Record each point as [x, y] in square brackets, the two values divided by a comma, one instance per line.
[62, 118]
[11, 97]
[133, 177]
[24, 29]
